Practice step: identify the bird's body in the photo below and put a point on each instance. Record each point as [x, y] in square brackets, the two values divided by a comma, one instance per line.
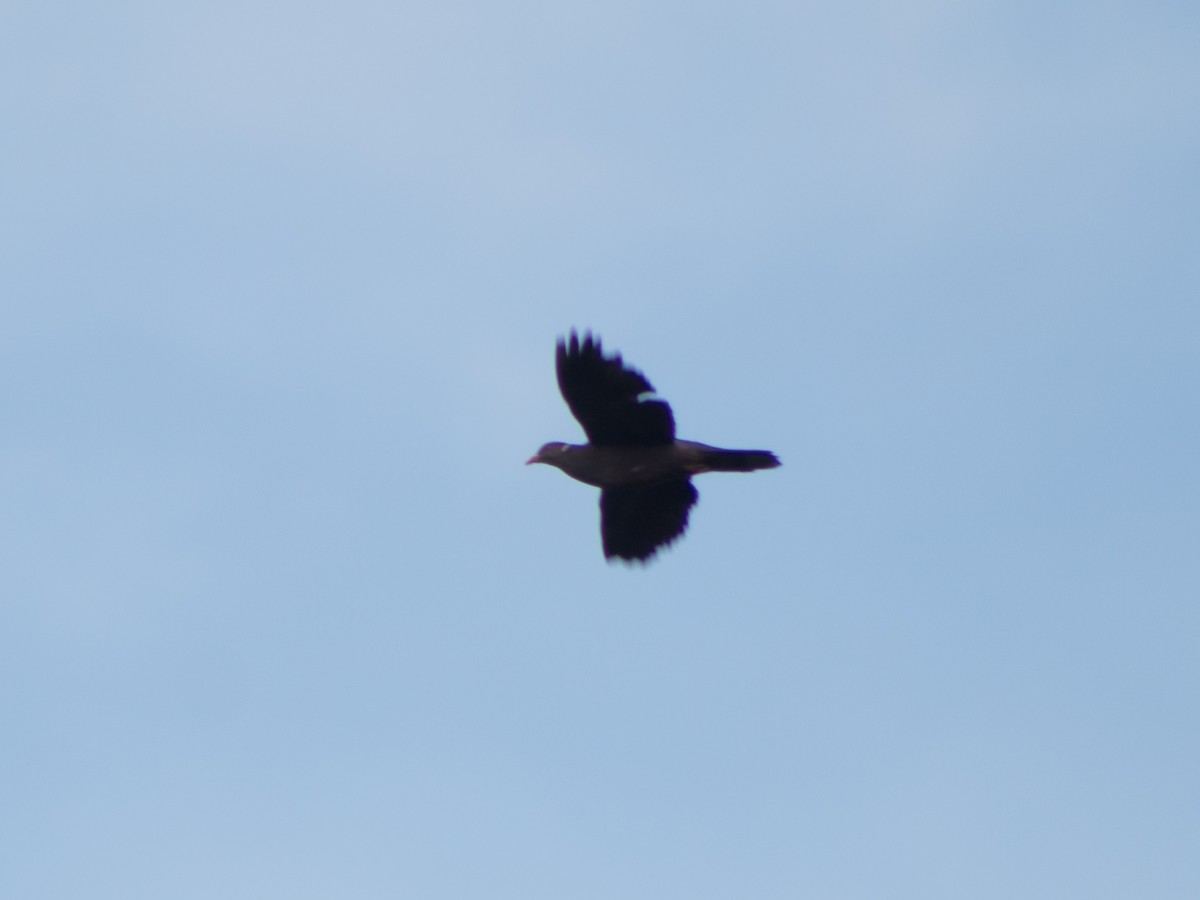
[643, 472]
[615, 466]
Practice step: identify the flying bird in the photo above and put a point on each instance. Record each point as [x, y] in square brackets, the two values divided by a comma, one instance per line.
[644, 473]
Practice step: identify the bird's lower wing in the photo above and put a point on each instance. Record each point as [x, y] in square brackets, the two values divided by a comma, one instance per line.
[636, 520]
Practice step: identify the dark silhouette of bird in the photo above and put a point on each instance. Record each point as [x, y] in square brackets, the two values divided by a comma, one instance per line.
[644, 473]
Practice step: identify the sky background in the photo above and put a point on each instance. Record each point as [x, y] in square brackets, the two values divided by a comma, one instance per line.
[282, 614]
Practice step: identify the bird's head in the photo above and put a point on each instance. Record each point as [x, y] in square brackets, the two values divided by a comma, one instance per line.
[551, 454]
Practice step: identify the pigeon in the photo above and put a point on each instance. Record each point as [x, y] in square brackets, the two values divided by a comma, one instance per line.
[644, 473]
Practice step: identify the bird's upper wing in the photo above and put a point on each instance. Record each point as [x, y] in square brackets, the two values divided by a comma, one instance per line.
[636, 520]
[612, 401]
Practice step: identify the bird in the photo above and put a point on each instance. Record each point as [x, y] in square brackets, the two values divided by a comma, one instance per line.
[643, 471]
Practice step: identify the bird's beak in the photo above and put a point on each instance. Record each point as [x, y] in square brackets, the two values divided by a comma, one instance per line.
[533, 459]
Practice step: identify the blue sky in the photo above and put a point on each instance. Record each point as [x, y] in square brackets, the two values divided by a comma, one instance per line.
[283, 613]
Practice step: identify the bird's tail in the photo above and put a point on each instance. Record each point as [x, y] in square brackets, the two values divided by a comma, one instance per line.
[717, 460]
